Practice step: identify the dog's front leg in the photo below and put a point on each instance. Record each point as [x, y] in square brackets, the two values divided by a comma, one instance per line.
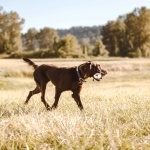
[76, 96]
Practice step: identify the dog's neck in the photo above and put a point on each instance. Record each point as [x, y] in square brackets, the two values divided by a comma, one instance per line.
[79, 76]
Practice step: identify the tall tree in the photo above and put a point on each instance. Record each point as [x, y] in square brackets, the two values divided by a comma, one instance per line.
[113, 37]
[46, 37]
[129, 35]
[29, 39]
[10, 29]
[99, 49]
[138, 31]
[85, 44]
[68, 46]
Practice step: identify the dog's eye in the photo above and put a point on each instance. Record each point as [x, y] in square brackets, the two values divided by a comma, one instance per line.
[98, 70]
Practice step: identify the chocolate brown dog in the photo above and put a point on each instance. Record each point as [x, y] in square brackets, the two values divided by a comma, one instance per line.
[64, 79]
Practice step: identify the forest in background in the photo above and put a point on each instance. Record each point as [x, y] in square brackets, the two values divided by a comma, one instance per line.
[127, 36]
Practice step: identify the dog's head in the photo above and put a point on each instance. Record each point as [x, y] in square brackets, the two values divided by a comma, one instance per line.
[90, 69]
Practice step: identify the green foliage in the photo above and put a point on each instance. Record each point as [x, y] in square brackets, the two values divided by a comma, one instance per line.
[114, 37]
[43, 39]
[10, 31]
[86, 46]
[138, 30]
[92, 33]
[29, 39]
[46, 37]
[99, 49]
[67, 47]
[129, 35]
[34, 54]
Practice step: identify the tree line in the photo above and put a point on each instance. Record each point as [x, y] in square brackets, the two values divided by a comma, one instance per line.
[127, 36]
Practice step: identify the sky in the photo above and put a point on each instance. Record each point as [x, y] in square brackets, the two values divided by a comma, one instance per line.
[64, 14]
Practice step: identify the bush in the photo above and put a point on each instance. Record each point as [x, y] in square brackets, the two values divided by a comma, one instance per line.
[44, 54]
[34, 54]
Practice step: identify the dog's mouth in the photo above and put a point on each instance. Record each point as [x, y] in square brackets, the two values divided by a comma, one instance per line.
[97, 76]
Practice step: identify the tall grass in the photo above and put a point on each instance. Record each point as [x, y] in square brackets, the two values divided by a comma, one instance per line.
[116, 112]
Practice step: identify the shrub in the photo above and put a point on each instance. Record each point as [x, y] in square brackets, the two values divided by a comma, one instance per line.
[33, 54]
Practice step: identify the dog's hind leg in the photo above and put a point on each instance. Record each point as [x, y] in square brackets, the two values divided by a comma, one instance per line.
[43, 89]
[31, 93]
[57, 95]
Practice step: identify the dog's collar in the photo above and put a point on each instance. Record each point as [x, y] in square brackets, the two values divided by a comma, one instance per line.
[80, 79]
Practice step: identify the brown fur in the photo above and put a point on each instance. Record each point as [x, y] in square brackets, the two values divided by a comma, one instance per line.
[64, 79]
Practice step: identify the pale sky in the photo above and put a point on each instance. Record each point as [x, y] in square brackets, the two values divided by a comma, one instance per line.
[64, 14]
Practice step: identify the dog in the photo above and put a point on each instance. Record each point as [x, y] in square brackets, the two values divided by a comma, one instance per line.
[64, 79]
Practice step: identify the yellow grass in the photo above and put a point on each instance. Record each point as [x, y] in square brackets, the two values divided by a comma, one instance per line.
[116, 109]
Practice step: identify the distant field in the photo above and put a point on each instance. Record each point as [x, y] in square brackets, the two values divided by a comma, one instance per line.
[116, 109]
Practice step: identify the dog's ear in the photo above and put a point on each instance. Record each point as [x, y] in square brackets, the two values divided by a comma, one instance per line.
[87, 67]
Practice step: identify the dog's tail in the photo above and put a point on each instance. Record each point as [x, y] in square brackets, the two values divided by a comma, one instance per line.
[31, 63]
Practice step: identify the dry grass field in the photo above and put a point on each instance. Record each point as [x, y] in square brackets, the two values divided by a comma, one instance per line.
[116, 109]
